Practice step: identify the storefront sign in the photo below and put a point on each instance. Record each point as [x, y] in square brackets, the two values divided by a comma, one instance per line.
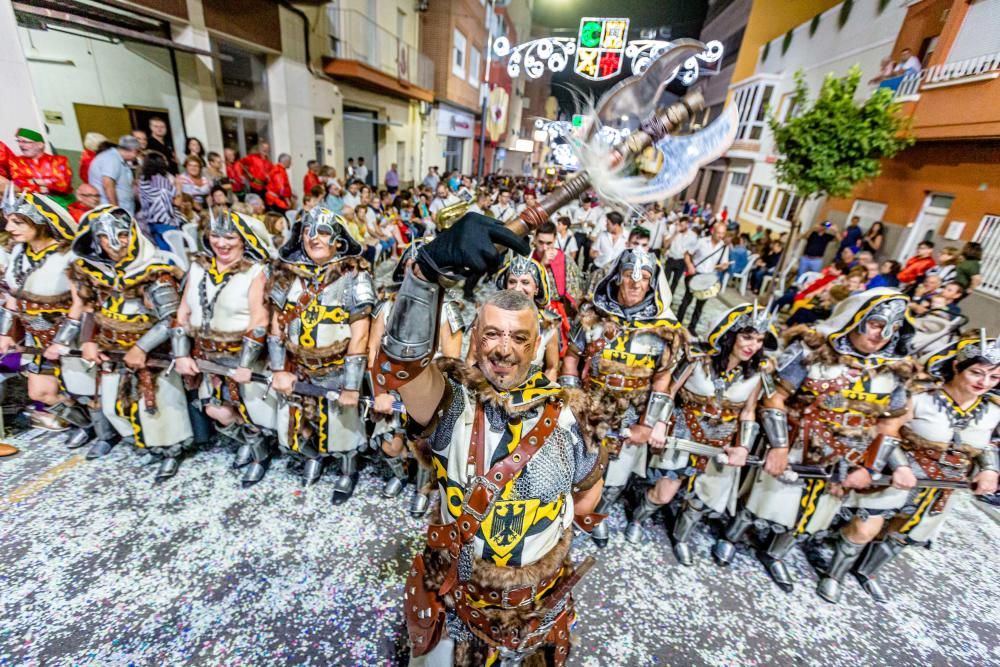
[455, 123]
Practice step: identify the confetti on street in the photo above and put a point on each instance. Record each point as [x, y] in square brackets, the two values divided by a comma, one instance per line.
[102, 567]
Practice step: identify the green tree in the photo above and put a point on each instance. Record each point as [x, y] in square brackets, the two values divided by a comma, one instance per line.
[830, 146]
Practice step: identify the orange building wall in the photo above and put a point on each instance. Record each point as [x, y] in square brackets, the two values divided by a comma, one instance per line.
[959, 168]
[923, 20]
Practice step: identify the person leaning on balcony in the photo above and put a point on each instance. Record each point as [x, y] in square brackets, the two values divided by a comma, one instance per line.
[908, 63]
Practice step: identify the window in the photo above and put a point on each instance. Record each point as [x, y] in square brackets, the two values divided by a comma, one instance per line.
[458, 55]
[738, 179]
[751, 102]
[787, 203]
[474, 58]
[758, 198]
[988, 235]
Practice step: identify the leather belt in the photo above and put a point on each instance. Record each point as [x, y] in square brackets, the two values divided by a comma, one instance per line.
[507, 598]
[619, 382]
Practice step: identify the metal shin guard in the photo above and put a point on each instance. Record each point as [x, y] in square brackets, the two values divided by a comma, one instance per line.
[725, 547]
[689, 517]
[312, 470]
[421, 501]
[646, 509]
[168, 468]
[343, 486]
[601, 533]
[777, 549]
[105, 435]
[257, 442]
[876, 556]
[845, 554]
[394, 485]
[79, 438]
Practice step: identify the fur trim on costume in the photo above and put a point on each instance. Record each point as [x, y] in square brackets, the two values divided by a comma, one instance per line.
[205, 262]
[330, 352]
[46, 299]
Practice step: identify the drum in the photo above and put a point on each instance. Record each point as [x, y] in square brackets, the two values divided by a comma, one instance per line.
[704, 286]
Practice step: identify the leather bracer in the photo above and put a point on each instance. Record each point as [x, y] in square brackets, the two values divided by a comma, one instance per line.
[410, 333]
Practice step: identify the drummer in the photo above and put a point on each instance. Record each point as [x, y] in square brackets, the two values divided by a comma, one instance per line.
[709, 256]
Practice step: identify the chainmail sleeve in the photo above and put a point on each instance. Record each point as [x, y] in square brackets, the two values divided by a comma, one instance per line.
[438, 432]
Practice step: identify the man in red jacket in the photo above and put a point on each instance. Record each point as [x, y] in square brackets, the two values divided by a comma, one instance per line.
[34, 170]
[234, 172]
[257, 167]
[279, 189]
[918, 265]
[311, 178]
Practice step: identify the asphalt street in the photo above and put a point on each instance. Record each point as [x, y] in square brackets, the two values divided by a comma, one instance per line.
[99, 566]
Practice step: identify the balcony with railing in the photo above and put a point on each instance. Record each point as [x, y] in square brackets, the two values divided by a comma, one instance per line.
[371, 57]
[953, 99]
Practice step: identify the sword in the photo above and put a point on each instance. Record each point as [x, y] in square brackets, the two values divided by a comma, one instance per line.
[212, 368]
[929, 484]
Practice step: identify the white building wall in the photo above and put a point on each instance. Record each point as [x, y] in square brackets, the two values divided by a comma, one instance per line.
[21, 108]
[865, 39]
[297, 98]
[94, 72]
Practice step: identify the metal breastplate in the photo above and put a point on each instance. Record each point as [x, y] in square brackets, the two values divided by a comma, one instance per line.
[636, 348]
[324, 321]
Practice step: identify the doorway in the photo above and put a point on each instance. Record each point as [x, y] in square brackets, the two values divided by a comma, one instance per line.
[361, 138]
[243, 129]
[932, 214]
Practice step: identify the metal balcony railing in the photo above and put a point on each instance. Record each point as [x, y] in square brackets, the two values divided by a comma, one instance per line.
[979, 68]
[354, 36]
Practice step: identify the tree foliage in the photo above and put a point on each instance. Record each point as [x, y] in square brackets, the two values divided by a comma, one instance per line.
[834, 143]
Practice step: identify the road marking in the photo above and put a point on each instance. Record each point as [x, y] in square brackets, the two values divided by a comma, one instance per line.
[29, 489]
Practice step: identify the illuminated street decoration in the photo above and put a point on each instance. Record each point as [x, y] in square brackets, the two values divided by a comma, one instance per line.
[599, 52]
[600, 47]
[559, 131]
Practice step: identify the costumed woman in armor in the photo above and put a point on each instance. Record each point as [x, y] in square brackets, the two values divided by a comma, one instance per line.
[840, 402]
[323, 295]
[622, 348]
[713, 424]
[950, 435]
[389, 423]
[36, 306]
[131, 289]
[223, 318]
[493, 585]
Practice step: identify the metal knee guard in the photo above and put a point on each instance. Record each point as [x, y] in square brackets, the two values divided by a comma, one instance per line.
[845, 554]
[646, 509]
[876, 556]
[725, 547]
[689, 517]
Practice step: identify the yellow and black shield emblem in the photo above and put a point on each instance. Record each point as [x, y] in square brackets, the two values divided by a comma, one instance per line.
[508, 523]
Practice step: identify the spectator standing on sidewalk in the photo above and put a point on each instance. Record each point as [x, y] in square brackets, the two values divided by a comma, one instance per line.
[816, 243]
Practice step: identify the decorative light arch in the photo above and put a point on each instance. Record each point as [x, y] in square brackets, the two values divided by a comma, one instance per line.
[598, 53]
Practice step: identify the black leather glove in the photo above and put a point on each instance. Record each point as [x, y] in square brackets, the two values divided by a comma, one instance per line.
[467, 248]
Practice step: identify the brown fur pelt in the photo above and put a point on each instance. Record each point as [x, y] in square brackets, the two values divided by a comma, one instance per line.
[46, 299]
[205, 261]
[475, 382]
[332, 351]
[285, 273]
[605, 409]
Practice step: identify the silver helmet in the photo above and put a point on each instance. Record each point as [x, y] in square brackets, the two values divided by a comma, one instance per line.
[221, 224]
[321, 221]
[637, 260]
[110, 222]
[891, 314]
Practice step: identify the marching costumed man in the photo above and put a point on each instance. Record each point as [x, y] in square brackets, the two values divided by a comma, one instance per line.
[37, 306]
[389, 428]
[34, 170]
[949, 436]
[712, 425]
[323, 295]
[131, 289]
[223, 318]
[621, 351]
[839, 404]
[493, 583]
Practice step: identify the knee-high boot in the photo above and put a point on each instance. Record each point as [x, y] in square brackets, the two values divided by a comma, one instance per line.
[646, 509]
